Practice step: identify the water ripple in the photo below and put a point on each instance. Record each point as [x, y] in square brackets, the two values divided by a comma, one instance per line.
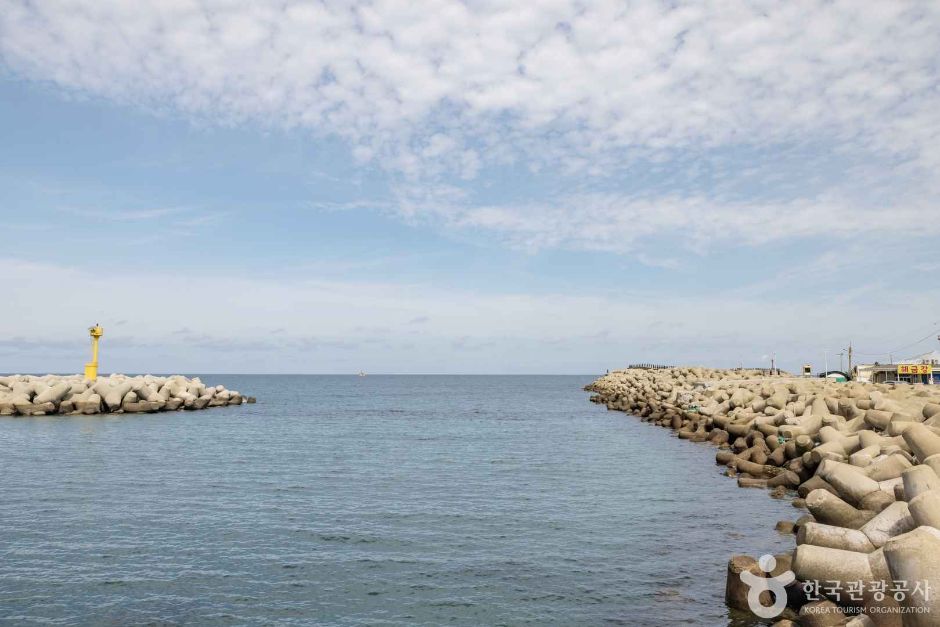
[371, 501]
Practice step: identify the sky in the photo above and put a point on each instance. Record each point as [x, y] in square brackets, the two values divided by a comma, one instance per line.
[467, 187]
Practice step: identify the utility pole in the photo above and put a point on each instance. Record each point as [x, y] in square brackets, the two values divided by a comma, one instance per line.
[850, 361]
[773, 360]
[826, 363]
[931, 377]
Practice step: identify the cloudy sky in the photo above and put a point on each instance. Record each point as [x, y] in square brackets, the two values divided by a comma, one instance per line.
[546, 186]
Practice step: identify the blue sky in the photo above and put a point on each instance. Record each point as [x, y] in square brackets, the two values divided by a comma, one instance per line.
[466, 187]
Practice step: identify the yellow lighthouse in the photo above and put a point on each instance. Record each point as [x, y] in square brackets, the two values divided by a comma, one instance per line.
[91, 368]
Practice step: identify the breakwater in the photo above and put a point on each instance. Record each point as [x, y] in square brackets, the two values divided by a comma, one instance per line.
[863, 459]
[29, 395]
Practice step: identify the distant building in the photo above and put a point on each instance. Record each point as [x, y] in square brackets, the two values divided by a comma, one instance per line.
[932, 358]
[917, 369]
[863, 372]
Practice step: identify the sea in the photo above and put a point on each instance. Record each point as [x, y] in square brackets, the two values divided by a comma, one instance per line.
[375, 500]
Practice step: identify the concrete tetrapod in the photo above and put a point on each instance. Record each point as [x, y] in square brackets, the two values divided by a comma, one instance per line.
[922, 440]
[919, 479]
[819, 534]
[848, 480]
[823, 564]
[32, 395]
[736, 590]
[853, 486]
[820, 563]
[863, 453]
[889, 467]
[829, 509]
[52, 394]
[892, 521]
[925, 508]
[905, 555]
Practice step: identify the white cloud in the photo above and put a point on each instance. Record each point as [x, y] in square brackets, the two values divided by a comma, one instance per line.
[617, 223]
[161, 321]
[438, 92]
[125, 215]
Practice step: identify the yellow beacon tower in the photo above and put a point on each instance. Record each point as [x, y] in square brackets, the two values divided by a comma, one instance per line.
[91, 368]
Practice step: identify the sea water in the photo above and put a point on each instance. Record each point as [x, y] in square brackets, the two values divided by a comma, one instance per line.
[377, 500]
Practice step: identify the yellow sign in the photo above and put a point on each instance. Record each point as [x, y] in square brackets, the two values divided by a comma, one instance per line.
[914, 369]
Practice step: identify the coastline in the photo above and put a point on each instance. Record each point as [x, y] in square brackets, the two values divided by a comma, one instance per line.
[863, 459]
[31, 395]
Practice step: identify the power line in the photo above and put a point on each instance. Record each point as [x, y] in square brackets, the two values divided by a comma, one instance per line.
[928, 336]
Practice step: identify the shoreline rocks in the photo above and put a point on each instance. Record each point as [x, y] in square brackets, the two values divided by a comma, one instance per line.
[863, 459]
[31, 395]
